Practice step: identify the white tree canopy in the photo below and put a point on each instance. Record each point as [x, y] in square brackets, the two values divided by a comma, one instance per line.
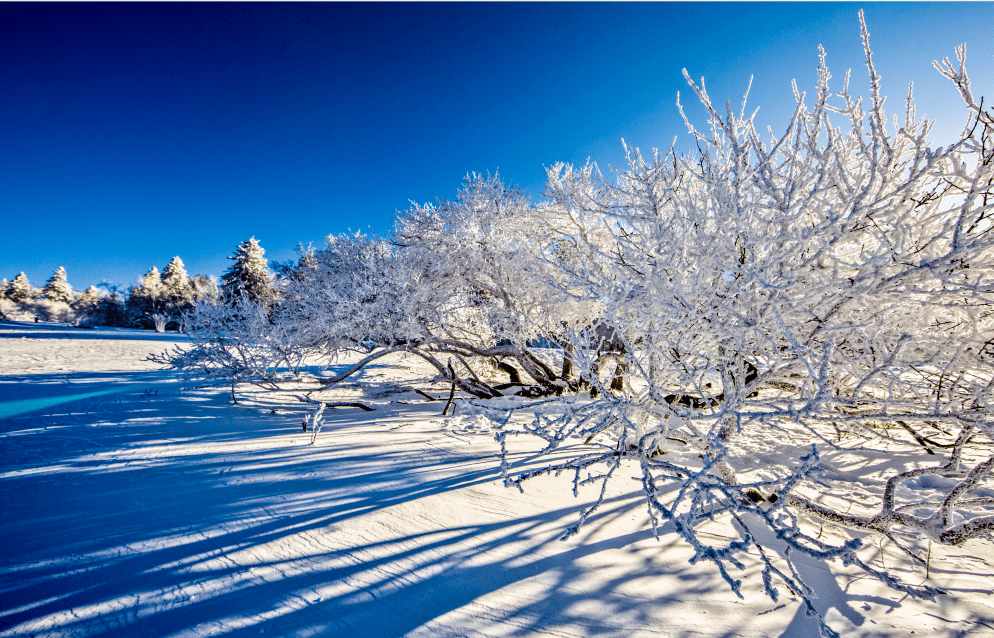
[249, 275]
[176, 283]
[20, 289]
[57, 287]
[826, 292]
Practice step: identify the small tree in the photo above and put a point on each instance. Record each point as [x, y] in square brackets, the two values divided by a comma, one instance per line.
[250, 275]
[147, 302]
[178, 290]
[110, 311]
[176, 283]
[20, 289]
[57, 288]
[204, 288]
[85, 304]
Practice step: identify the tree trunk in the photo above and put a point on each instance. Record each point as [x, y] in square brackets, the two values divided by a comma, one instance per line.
[160, 322]
[567, 373]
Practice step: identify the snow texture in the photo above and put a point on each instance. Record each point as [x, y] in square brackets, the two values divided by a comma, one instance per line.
[134, 505]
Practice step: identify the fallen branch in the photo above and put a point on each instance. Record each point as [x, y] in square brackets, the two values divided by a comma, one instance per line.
[426, 395]
[335, 404]
[348, 404]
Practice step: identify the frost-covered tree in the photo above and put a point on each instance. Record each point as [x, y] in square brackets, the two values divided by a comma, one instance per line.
[57, 288]
[87, 300]
[176, 283]
[829, 288]
[101, 305]
[762, 327]
[110, 310]
[204, 288]
[148, 303]
[150, 284]
[24, 302]
[450, 286]
[249, 275]
[20, 289]
[85, 305]
[161, 301]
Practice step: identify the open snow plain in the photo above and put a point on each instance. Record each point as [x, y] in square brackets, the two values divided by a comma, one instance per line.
[132, 505]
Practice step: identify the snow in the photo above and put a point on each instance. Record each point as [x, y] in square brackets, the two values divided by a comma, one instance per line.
[132, 504]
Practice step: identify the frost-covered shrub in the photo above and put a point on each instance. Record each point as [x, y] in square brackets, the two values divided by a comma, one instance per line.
[755, 324]
[450, 286]
[13, 311]
[38, 310]
[830, 288]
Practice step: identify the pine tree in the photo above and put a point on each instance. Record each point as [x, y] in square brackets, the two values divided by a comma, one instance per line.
[204, 287]
[151, 284]
[249, 275]
[176, 283]
[145, 299]
[87, 300]
[57, 287]
[20, 289]
[110, 311]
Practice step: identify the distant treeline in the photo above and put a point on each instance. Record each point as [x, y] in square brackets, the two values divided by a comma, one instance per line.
[158, 301]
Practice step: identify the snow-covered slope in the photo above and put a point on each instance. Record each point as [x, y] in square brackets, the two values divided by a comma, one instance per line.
[132, 506]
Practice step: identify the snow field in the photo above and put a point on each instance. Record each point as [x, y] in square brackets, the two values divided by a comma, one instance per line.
[143, 508]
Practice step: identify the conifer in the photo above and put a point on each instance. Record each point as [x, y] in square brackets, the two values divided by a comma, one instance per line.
[20, 289]
[249, 275]
[57, 287]
[176, 283]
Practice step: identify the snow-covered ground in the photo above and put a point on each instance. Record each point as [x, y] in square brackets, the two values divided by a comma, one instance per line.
[133, 506]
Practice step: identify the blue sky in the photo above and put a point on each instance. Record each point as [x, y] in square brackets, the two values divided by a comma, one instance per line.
[130, 133]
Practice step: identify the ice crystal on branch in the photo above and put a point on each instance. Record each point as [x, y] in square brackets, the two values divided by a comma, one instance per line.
[743, 327]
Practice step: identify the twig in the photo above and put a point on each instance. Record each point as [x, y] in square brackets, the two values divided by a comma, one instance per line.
[335, 404]
[349, 404]
[452, 391]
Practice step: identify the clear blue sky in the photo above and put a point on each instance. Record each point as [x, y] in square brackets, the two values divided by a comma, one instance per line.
[130, 133]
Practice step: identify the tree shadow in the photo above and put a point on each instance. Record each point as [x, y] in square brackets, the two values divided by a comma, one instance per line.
[179, 513]
[46, 330]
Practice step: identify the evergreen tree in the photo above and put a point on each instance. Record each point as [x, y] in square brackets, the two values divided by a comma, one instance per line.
[57, 287]
[20, 289]
[145, 299]
[151, 284]
[87, 301]
[176, 283]
[204, 287]
[249, 275]
[110, 311]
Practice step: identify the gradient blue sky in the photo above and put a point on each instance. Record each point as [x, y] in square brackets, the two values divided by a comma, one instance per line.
[130, 133]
